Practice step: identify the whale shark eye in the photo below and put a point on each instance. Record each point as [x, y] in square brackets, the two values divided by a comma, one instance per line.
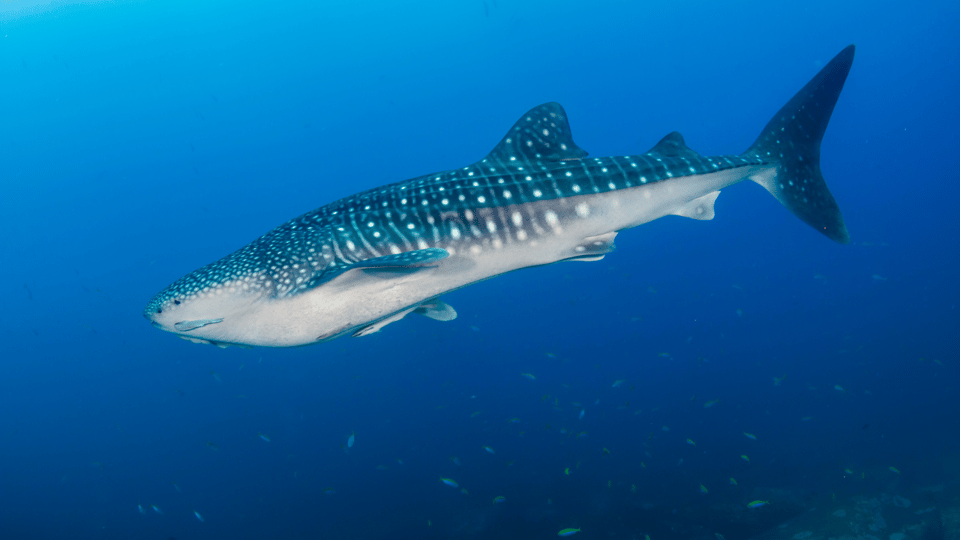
[177, 302]
[159, 310]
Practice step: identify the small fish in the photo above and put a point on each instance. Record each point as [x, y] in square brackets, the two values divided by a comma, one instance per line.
[464, 491]
[351, 439]
[213, 446]
[604, 452]
[197, 514]
[582, 412]
[455, 460]
[679, 463]
[757, 504]
[703, 489]
[618, 382]
[216, 376]
[739, 313]
[156, 509]
[806, 418]
[499, 499]
[848, 471]
[140, 509]
[894, 470]
[475, 414]
[778, 380]
[581, 434]
[691, 443]
[489, 450]
[710, 403]
[176, 487]
[567, 471]
[745, 458]
[663, 355]
[568, 532]
[750, 436]
[530, 376]
[733, 481]
[449, 482]
[609, 483]
[382, 467]
[719, 536]
[263, 437]
[329, 491]
[838, 388]
[513, 420]
[633, 488]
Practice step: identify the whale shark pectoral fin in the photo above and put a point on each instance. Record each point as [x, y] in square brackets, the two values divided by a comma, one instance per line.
[699, 208]
[377, 326]
[387, 266]
[186, 326]
[408, 259]
[437, 310]
[593, 248]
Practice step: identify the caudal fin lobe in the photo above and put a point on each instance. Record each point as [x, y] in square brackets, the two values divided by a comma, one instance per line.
[792, 137]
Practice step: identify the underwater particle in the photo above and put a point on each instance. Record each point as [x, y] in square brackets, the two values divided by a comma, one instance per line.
[464, 491]
[739, 313]
[530, 376]
[609, 483]
[745, 458]
[633, 488]
[757, 504]
[567, 471]
[568, 532]
[216, 376]
[750, 436]
[489, 450]
[198, 516]
[778, 380]
[703, 489]
[351, 439]
[449, 482]
[499, 499]
[455, 460]
[213, 446]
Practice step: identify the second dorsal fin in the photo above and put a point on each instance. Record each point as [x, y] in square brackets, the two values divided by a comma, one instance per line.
[672, 145]
[543, 133]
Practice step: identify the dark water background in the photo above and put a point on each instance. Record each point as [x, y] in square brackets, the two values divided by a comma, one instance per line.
[141, 140]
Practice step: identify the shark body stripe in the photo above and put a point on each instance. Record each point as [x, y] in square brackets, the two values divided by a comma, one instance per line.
[535, 199]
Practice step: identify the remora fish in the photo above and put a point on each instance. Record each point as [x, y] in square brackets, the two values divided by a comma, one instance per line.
[362, 262]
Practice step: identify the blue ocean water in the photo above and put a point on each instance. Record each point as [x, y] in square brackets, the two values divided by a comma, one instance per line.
[142, 140]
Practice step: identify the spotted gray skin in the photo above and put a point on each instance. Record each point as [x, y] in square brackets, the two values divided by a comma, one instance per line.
[362, 262]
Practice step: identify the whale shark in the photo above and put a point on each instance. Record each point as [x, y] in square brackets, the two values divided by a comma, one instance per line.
[360, 263]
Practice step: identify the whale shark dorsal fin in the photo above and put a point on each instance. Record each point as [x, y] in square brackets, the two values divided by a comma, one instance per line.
[672, 145]
[542, 134]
